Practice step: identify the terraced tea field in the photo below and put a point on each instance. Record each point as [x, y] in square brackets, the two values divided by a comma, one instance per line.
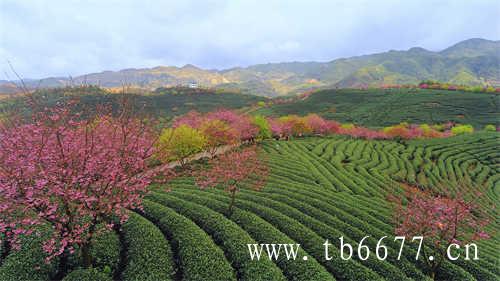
[319, 188]
[378, 107]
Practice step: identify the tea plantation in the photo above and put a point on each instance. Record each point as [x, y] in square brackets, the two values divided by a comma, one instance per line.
[385, 107]
[318, 189]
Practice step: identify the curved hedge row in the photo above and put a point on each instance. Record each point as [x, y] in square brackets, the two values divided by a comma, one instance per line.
[229, 236]
[385, 161]
[148, 254]
[264, 232]
[320, 225]
[350, 223]
[199, 258]
[309, 241]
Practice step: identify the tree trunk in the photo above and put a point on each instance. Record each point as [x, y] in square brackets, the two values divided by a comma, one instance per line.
[231, 205]
[86, 257]
[5, 248]
[63, 265]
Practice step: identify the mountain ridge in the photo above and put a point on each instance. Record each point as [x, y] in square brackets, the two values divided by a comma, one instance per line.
[473, 61]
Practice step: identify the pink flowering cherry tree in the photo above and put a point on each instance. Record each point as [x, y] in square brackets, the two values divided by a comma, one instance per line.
[233, 171]
[441, 220]
[218, 133]
[321, 126]
[193, 119]
[73, 174]
[241, 123]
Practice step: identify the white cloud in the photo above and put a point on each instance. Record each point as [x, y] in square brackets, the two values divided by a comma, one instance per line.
[61, 37]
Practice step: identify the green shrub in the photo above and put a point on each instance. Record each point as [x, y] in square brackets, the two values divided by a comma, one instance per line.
[347, 126]
[351, 235]
[462, 129]
[477, 269]
[263, 125]
[450, 272]
[179, 143]
[149, 256]
[490, 128]
[105, 250]
[90, 274]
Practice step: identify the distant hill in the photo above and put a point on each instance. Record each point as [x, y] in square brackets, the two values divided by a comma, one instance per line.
[470, 62]
[473, 48]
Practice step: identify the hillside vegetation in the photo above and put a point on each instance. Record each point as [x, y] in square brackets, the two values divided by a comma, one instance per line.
[383, 107]
[163, 102]
[371, 108]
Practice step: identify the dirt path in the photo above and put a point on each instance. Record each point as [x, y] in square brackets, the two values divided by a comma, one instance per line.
[197, 156]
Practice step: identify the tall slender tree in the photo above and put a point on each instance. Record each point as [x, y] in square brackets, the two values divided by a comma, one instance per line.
[233, 171]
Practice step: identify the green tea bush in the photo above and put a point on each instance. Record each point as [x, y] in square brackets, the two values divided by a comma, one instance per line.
[106, 250]
[351, 235]
[199, 258]
[91, 274]
[343, 267]
[263, 125]
[263, 232]
[149, 256]
[29, 262]
[228, 235]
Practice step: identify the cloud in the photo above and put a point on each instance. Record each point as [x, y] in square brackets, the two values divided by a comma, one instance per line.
[61, 37]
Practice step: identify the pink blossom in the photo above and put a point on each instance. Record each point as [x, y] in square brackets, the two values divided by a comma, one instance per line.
[59, 169]
[234, 170]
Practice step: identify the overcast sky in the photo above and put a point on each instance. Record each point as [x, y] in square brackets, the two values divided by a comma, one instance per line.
[64, 37]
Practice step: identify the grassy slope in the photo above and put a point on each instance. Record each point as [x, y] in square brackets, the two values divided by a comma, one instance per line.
[386, 107]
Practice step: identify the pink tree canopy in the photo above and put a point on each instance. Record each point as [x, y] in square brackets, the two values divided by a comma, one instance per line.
[241, 124]
[234, 170]
[441, 220]
[72, 174]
